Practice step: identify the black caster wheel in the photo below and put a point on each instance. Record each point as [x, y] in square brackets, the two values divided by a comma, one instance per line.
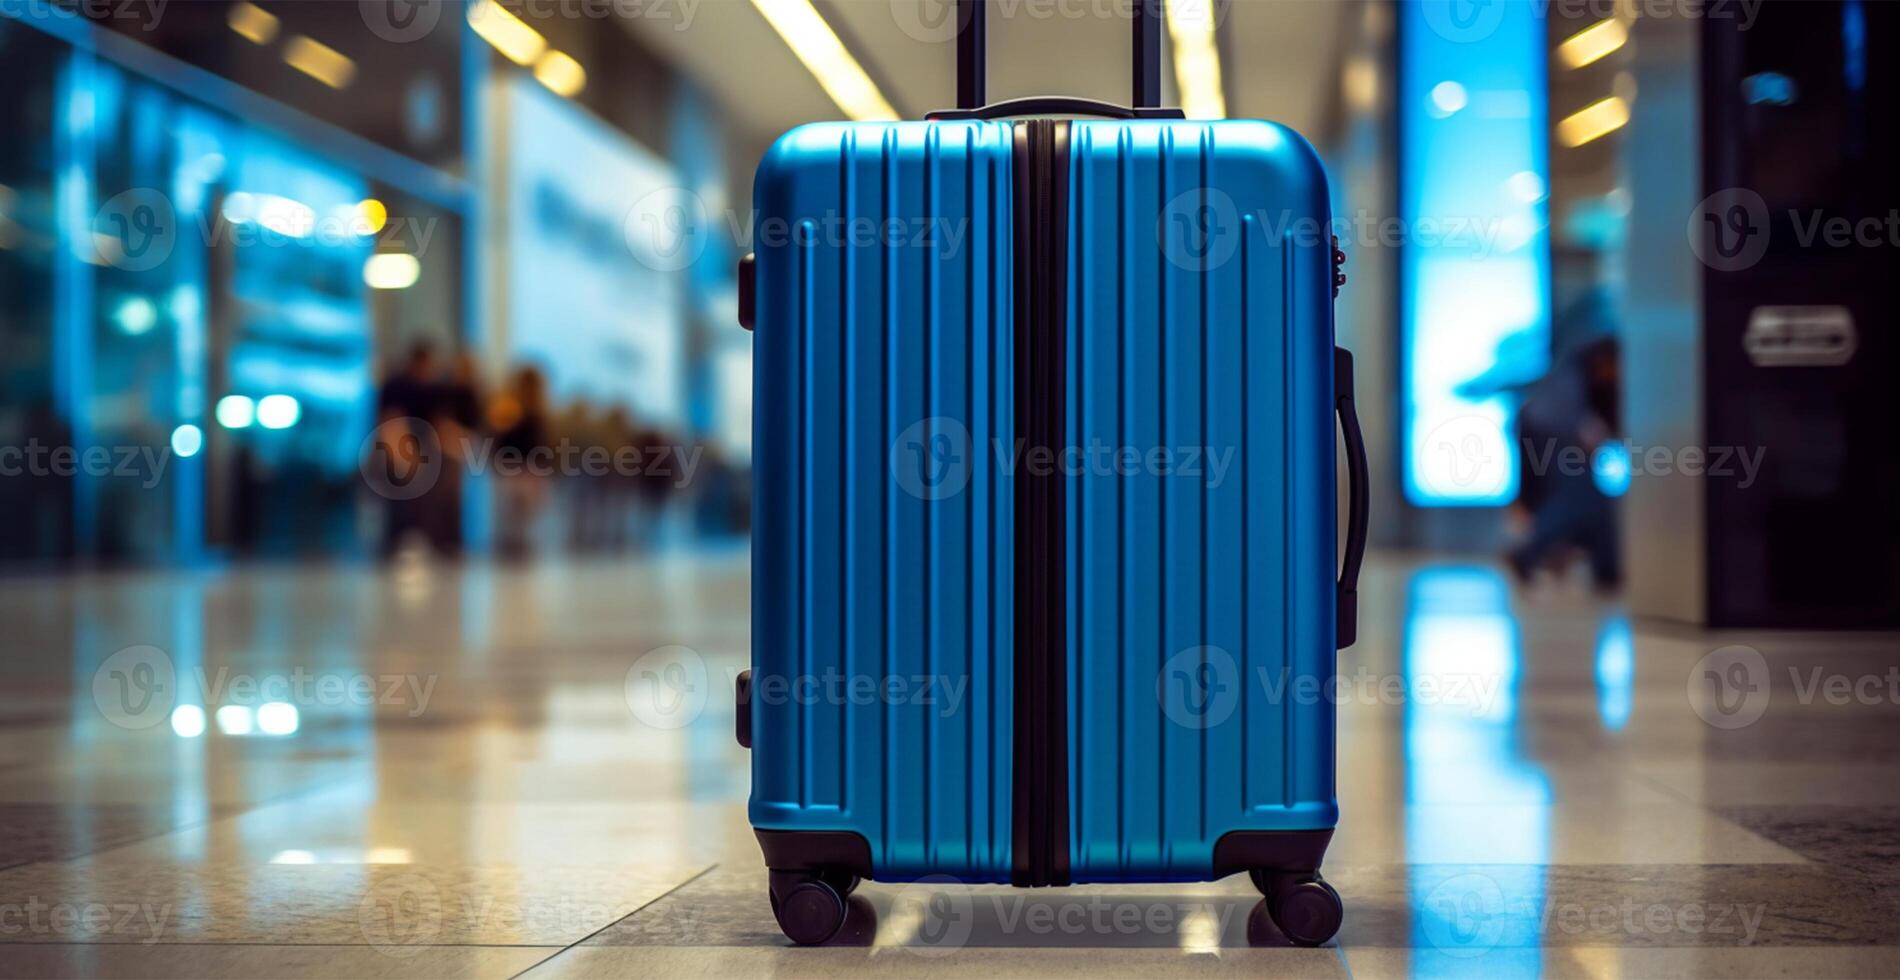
[810, 912]
[844, 881]
[1306, 910]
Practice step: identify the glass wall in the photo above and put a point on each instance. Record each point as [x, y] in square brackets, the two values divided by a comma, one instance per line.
[193, 305]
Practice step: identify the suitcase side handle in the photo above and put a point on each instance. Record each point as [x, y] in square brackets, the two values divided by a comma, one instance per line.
[1358, 505]
[972, 42]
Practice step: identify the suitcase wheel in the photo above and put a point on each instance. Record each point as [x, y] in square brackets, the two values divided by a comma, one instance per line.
[810, 908]
[1305, 908]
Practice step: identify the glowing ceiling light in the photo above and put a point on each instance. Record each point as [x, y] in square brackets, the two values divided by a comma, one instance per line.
[818, 47]
[234, 719]
[391, 270]
[1527, 186]
[1593, 121]
[371, 216]
[136, 315]
[560, 73]
[236, 412]
[240, 207]
[187, 440]
[1196, 59]
[278, 411]
[252, 22]
[1448, 98]
[188, 721]
[1593, 43]
[277, 718]
[320, 61]
[285, 216]
[506, 33]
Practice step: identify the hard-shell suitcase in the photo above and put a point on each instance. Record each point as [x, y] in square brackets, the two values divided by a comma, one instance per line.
[1044, 538]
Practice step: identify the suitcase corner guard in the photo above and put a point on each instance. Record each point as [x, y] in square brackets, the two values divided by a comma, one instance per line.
[1293, 851]
[816, 850]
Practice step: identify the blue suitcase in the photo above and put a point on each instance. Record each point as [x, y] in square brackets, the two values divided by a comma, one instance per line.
[1044, 542]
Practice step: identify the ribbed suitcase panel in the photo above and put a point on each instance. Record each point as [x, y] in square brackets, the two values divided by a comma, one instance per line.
[1218, 582]
[882, 543]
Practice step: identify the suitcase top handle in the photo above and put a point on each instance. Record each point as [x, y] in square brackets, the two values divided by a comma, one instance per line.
[972, 40]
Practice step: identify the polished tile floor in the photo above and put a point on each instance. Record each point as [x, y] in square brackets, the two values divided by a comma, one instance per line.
[441, 772]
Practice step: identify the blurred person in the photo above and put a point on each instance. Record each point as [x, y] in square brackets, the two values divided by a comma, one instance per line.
[1574, 408]
[406, 406]
[586, 431]
[519, 419]
[457, 417]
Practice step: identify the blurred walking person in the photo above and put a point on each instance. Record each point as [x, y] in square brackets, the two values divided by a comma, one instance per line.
[1573, 409]
[519, 419]
[406, 406]
[457, 420]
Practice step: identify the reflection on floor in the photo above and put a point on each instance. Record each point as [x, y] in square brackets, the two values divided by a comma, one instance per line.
[461, 772]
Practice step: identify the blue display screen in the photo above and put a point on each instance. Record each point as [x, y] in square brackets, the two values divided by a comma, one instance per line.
[1475, 266]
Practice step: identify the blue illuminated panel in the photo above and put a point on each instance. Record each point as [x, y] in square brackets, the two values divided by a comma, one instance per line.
[1475, 265]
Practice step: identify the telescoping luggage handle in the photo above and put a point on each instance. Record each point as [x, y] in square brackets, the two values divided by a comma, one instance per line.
[972, 39]
[1357, 507]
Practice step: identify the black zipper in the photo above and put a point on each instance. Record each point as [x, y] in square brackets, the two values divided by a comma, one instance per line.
[1040, 800]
